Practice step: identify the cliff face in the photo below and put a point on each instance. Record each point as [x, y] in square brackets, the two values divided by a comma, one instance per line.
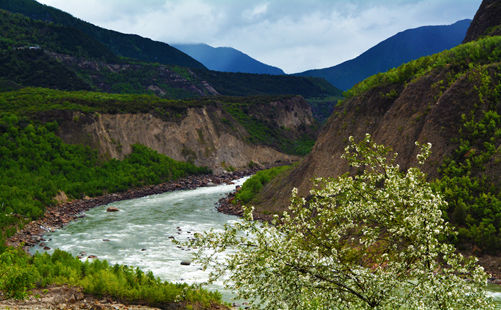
[487, 21]
[427, 100]
[425, 109]
[206, 136]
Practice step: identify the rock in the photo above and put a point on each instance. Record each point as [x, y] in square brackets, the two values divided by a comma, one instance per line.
[185, 262]
[496, 281]
[46, 248]
[112, 209]
[143, 249]
[106, 239]
[92, 256]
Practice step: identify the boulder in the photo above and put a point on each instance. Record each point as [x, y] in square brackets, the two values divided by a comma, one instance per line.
[112, 209]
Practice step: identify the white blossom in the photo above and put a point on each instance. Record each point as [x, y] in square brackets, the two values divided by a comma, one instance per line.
[376, 240]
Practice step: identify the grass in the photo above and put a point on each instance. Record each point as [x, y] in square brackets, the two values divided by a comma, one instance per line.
[21, 273]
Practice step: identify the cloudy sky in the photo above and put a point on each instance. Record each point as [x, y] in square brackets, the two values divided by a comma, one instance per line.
[294, 35]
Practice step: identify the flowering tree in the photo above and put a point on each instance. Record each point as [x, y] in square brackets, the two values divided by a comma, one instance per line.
[375, 240]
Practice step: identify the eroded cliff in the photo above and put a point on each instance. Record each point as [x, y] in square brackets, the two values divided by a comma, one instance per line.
[430, 106]
[206, 135]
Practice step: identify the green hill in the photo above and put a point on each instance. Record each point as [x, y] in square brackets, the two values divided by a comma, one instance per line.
[77, 55]
[20, 32]
[125, 45]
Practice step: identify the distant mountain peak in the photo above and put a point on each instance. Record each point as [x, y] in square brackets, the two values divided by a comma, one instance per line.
[226, 59]
[403, 47]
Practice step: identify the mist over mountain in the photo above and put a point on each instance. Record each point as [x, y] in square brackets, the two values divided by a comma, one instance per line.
[392, 52]
[226, 59]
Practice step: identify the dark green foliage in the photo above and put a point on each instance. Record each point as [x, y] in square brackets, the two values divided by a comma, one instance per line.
[475, 199]
[259, 121]
[126, 45]
[8, 85]
[86, 59]
[34, 68]
[138, 78]
[36, 164]
[322, 107]
[35, 101]
[460, 58]
[19, 31]
[244, 84]
[253, 185]
[470, 177]
[21, 272]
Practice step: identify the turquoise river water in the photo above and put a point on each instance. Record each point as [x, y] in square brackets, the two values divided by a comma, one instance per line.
[138, 235]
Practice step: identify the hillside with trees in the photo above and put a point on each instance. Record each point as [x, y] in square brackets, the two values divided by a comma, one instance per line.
[451, 99]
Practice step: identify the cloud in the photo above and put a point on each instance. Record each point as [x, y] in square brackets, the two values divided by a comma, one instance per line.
[295, 35]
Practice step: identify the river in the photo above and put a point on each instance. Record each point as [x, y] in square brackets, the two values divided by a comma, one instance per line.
[139, 234]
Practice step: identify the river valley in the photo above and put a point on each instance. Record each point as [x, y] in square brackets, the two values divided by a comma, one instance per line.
[140, 233]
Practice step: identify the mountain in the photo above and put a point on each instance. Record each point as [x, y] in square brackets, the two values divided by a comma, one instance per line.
[125, 45]
[392, 52]
[226, 59]
[21, 32]
[45, 54]
[451, 100]
[486, 21]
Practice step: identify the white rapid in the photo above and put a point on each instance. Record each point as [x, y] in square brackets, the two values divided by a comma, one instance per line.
[139, 234]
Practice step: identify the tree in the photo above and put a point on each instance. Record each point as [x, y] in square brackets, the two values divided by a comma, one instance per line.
[372, 240]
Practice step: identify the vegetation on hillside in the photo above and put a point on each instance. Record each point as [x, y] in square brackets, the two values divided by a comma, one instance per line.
[264, 130]
[33, 67]
[36, 165]
[125, 45]
[20, 32]
[36, 102]
[22, 272]
[375, 240]
[469, 179]
[460, 59]
[244, 84]
[254, 184]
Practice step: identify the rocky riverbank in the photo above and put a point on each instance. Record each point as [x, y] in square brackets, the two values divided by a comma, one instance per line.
[59, 215]
[227, 206]
[69, 297]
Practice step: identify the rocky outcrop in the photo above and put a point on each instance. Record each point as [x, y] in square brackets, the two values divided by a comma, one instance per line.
[293, 113]
[205, 135]
[487, 21]
[420, 111]
[424, 108]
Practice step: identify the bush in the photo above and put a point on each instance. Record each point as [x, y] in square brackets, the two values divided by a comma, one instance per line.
[36, 165]
[20, 273]
[254, 184]
[374, 240]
